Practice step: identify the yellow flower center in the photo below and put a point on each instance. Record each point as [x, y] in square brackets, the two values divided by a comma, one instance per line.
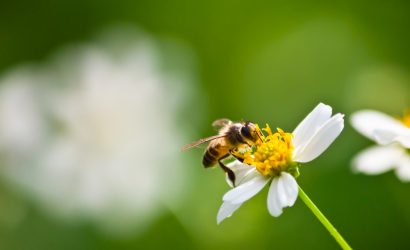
[406, 118]
[273, 155]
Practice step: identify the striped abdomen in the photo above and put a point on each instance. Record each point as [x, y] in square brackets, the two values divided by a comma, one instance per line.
[213, 153]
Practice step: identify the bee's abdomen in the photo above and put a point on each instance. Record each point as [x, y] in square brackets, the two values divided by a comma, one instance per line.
[212, 155]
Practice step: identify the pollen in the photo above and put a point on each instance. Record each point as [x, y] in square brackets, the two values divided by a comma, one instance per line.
[406, 118]
[273, 155]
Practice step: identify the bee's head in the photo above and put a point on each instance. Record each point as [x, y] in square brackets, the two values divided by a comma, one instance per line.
[250, 131]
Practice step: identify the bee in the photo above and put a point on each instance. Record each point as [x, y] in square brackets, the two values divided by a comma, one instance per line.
[231, 138]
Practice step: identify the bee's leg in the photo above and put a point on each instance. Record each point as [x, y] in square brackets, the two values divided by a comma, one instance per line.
[228, 171]
[239, 157]
[235, 154]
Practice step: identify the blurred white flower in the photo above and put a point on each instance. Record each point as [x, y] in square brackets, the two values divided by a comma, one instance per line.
[277, 159]
[393, 137]
[89, 134]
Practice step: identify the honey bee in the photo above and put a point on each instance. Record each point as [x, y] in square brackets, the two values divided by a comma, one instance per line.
[231, 138]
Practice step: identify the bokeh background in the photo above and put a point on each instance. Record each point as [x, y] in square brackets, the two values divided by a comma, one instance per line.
[97, 97]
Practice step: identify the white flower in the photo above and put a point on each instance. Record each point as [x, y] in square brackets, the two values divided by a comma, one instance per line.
[88, 134]
[310, 139]
[393, 137]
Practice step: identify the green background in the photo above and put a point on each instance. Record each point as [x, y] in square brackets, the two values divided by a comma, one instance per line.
[266, 61]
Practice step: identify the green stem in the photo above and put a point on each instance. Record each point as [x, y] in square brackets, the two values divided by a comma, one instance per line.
[326, 223]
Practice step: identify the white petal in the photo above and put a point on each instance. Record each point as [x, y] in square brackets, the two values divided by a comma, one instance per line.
[314, 120]
[288, 189]
[403, 168]
[283, 192]
[368, 121]
[321, 140]
[274, 205]
[385, 137]
[226, 210]
[377, 159]
[243, 173]
[246, 191]
[404, 140]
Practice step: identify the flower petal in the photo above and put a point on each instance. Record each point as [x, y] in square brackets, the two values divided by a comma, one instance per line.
[226, 210]
[368, 121]
[274, 204]
[385, 137]
[283, 192]
[242, 172]
[288, 189]
[377, 159]
[321, 140]
[247, 190]
[403, 168]
[314, 120]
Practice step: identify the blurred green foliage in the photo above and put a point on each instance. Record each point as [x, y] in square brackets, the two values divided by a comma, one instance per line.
[267, 61]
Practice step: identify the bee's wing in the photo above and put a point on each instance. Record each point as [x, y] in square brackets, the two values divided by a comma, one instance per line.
[220, 123]
[199, 142]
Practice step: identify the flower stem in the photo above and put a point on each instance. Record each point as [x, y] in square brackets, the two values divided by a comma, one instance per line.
[326, 223]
